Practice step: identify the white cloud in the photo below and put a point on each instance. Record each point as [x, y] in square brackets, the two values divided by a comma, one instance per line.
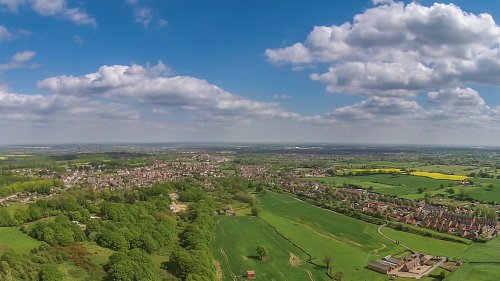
[11, 5]
[282, 97]
[23, 56]
[78, 40]
[5, 34]
[17, 61]
[143, 16]
[161, 23]
[381, 2]
[153, 86]
[53, 108]
[54, 8]
[378, 109]
[393, 52]
[398, 49]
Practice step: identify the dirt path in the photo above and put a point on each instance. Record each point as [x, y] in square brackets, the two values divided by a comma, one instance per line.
[277, 269]
[379, 230]
[228, 264]
[309, 273]
[218, 275]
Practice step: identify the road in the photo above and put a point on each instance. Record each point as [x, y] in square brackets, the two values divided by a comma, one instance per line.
[379, 230]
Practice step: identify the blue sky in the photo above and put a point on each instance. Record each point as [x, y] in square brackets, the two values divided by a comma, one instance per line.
[231, 71]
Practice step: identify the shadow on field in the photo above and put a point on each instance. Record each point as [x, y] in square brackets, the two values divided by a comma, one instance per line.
[256, 258]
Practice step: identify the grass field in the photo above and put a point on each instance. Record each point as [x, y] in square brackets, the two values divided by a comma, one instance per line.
[350, 242]
[483, 193]
[287, 225]
[11, 238]
[235, 250]
[481, 262]
[375, 170]
[400, 185]
[426, 244]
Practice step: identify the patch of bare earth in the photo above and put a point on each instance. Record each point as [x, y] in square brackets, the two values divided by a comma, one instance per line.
[218, 273]
[294, 260]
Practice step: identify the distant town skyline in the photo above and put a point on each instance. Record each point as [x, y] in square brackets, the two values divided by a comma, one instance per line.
[380, 71]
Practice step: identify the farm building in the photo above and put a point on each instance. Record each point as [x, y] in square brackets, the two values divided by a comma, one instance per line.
[411, 264]
[250, 274]
[395, 261]
[381, 266]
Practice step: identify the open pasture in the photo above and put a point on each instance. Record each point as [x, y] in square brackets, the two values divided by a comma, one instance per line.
[374, 170]
[481, 262]
[426, 245]
[11, 238]
[235, 250]
[350, 242]
[488, 190]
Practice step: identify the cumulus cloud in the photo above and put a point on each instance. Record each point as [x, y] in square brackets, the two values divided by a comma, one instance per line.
[19, 60]
[55, 8]
[23, 56]
[40, 108]
[153, 86]
[378, 109]
[402, 49]
[393, 52]
[143, 16]
[60, 8]
[5, 34]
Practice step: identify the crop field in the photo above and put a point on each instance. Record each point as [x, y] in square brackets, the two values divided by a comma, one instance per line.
[485, 193]
[390, 184]
[235, 250]
[447, 169]
[350, 242]
[440, 176]
[375, 170]
[11, 238]
[294, 231]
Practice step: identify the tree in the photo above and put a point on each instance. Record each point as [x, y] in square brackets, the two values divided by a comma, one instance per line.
[339, 276]
[262, 252]
[328, 262]
[442, 275]
[50, 272]
[255, 211]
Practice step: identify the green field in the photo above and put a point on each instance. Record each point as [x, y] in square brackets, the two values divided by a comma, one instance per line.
[11, 238]
[400, 185]
[235, 249]
[481, 262]
[427, 245]
[483, 193]
[287, 225]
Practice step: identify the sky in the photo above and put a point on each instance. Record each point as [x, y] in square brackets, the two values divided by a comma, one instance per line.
[379, 71]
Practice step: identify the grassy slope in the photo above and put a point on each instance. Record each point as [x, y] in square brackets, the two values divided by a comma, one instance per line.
[351, 243]
[13, 238]
[426, 244]
[235, 248]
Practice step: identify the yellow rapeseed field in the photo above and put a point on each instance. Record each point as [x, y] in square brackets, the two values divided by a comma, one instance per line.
[439, 176]
[3, 158]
